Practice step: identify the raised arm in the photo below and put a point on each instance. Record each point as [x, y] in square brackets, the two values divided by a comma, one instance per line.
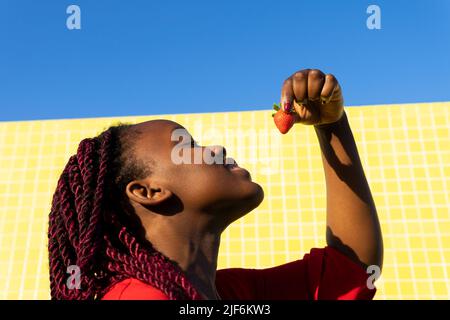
[352, 221]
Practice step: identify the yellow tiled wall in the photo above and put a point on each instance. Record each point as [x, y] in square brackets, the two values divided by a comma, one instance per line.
[405, 150]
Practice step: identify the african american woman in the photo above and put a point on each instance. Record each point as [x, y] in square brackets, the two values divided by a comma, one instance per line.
[139, 225]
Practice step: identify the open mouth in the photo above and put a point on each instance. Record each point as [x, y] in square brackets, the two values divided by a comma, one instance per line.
[231, 165]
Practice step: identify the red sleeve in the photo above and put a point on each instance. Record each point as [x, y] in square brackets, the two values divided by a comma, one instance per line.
[133, 289]
[322, 274]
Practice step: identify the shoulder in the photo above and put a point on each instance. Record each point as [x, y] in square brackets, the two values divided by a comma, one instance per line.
[133, 289]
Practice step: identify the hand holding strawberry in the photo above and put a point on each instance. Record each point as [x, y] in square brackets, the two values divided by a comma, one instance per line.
[309, 97]
[284, 120]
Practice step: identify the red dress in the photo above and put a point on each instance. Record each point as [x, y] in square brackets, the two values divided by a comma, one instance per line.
[322, 274]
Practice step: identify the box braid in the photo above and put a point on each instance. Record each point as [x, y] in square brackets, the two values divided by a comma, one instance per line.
[93, 226]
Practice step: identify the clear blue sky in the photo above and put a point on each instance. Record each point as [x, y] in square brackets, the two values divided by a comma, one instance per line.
[155, 57]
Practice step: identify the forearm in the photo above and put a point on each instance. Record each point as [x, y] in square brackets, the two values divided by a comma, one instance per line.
[352, 221]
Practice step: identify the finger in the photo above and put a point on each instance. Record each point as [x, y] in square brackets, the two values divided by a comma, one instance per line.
[316, 80]
[300, 86]
[287, 94]
[329, 87]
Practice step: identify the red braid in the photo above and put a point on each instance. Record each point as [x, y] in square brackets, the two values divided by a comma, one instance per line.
[89, 227]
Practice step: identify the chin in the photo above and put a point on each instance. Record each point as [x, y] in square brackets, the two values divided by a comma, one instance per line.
[254, 198]
[259, 194]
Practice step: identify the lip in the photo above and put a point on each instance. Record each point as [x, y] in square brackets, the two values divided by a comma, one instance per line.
[231, 165]
[235, 168]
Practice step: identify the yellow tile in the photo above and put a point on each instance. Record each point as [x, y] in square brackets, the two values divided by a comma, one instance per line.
[403, 257]
[443, 133]
[398, 228]
[440, 199]
[432, 158]
[426, 213]
[430, 227]
[250, 246]
[416, 242]
[444, 226]
[407, 288]
[434, 256]
[432, 242]
[279, 245]
[437, 272]
[443, 213]
[436, 172]
[420, 272]
[415, 147]
[441, 288]
[424, 197]
[424, 288]
[250, 259]
[390, 287]
[266, 244]
[405, 272]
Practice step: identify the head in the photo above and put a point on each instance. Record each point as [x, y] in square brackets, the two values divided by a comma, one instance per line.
[117, 179]
[184, 176]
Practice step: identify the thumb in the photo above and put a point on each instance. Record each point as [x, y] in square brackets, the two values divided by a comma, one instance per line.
[287, 95]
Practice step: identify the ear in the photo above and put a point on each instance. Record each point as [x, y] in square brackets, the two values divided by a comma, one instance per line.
[147, 193]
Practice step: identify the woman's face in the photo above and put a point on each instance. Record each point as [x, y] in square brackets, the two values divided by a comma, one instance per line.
[203, 178]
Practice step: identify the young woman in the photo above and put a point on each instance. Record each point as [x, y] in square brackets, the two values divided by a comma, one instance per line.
[139, 225]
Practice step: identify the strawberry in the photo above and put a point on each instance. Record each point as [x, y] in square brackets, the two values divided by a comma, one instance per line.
[284, 119]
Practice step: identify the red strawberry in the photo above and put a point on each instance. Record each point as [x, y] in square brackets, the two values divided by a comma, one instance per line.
[283, 120]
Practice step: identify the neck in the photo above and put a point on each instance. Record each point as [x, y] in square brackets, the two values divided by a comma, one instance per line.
[192, 244]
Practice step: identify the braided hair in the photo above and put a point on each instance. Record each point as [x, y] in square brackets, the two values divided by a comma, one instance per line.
[93, 226]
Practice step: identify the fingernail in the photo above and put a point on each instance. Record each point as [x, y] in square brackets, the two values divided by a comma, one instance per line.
[287, 106]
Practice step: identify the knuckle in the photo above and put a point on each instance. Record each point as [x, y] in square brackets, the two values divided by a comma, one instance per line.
[299, 76]
[316, 74]
[287, 82]
[330, 77]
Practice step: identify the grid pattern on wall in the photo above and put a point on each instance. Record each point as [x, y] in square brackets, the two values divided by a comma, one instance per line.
[405, 150]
